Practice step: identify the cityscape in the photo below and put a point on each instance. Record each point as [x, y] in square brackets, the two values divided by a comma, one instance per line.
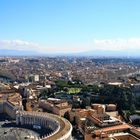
[80, 98]
[69, 70]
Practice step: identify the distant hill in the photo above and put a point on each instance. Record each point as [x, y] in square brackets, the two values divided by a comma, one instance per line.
[132, 53]
[17, 53]
[101, 53]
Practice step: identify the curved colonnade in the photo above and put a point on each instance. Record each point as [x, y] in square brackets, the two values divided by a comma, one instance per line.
[61, 128]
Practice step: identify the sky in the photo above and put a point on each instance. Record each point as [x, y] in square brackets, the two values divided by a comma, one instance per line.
[70, 26]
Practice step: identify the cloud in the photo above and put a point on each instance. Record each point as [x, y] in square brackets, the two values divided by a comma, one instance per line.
[99, 45]
[117, 44]
[18, 45]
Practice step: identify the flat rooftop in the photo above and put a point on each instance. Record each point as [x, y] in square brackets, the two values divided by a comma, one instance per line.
[113, 128]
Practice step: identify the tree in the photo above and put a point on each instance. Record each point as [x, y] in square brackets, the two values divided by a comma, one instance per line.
[45, 93]
[85, 102]
[132, 109]
[66, 115]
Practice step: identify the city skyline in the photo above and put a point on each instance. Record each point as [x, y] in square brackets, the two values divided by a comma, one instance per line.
[70, 27]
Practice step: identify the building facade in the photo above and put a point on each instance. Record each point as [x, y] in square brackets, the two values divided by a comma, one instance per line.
[55, 106]
[61, 128]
